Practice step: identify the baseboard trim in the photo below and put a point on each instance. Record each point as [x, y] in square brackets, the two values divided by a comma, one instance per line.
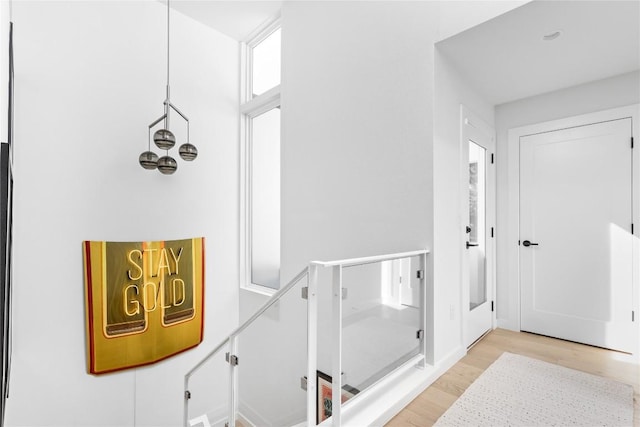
[387, 399]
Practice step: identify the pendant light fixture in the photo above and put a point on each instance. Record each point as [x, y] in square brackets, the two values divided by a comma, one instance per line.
[164, 138]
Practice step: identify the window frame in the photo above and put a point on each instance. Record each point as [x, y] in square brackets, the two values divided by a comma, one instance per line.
[250, 108]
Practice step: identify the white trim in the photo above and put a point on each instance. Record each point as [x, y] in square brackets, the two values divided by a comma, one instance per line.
[245, 73]
[254, 39]
[512, 322]
[264, 30]
[261, 103]
[378, 404]
[243, 199]
[258, 289]
[370, 259]
[250, 108]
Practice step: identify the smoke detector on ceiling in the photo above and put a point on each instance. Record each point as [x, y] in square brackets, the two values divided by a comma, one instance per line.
[552, 35]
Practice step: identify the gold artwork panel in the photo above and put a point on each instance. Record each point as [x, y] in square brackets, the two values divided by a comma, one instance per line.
[144, 301]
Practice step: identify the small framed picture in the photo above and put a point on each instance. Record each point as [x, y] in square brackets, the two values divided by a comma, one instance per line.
[324, 396]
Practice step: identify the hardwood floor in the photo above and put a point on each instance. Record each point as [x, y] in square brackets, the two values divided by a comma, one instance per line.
[436, 399]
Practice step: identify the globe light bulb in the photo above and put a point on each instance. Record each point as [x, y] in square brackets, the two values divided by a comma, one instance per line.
[167, 165]
[188, 152]
[164, 139]
[148, 160]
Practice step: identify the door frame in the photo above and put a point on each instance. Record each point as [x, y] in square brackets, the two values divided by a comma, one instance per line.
[471, 126]
[510, 315]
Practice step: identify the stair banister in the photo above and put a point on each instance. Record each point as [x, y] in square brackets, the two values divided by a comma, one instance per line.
[336, 327]
[351, 262]
[312, 321]
[232, 338]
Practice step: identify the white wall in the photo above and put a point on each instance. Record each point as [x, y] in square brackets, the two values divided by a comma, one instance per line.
[591, 97]
[359, 161]
[90, 77]
[451, 90]
[357, 100]
[357, 94]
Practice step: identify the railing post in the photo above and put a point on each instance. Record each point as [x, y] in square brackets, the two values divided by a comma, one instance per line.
[312, 344]
[185, 415]
[336, 395]
[231, 345]
[422, 286]
[427, 311]
[233, 382]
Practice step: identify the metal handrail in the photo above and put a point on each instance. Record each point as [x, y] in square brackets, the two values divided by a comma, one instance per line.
[370, 259]
[310, 271]
[274, 298]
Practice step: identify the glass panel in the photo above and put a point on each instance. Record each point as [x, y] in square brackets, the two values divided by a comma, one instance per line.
[209, 388]
[272, 358]
[477, 226]
[266, 64]
[378, 334]
[265, 199]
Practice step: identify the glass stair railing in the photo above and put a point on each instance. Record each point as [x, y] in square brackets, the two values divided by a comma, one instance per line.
[365, 318]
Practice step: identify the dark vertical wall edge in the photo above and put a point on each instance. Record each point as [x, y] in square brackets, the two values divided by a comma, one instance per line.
[6, 225]
[4, 270]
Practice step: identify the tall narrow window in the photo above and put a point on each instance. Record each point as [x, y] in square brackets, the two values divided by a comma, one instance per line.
[266, 64]
[265, 199]
[261, 160]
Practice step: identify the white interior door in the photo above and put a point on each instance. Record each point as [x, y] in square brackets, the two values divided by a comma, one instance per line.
[478, 182]
[576, 234]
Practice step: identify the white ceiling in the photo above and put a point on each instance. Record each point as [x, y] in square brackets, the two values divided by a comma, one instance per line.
[506, 59]
[235, 18]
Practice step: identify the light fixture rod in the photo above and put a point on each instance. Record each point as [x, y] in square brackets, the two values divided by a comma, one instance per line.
[181, 115]
[166, 110]
[157, 121]
[178, 111]
[168, 45]
[166, 102]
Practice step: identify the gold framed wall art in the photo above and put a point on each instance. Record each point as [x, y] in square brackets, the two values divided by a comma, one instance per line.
[144, 301]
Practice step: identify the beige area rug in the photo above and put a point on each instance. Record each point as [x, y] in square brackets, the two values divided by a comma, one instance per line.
[520, 391]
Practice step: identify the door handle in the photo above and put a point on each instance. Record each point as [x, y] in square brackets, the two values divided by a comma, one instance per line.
[527, 243]
[471, 245]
